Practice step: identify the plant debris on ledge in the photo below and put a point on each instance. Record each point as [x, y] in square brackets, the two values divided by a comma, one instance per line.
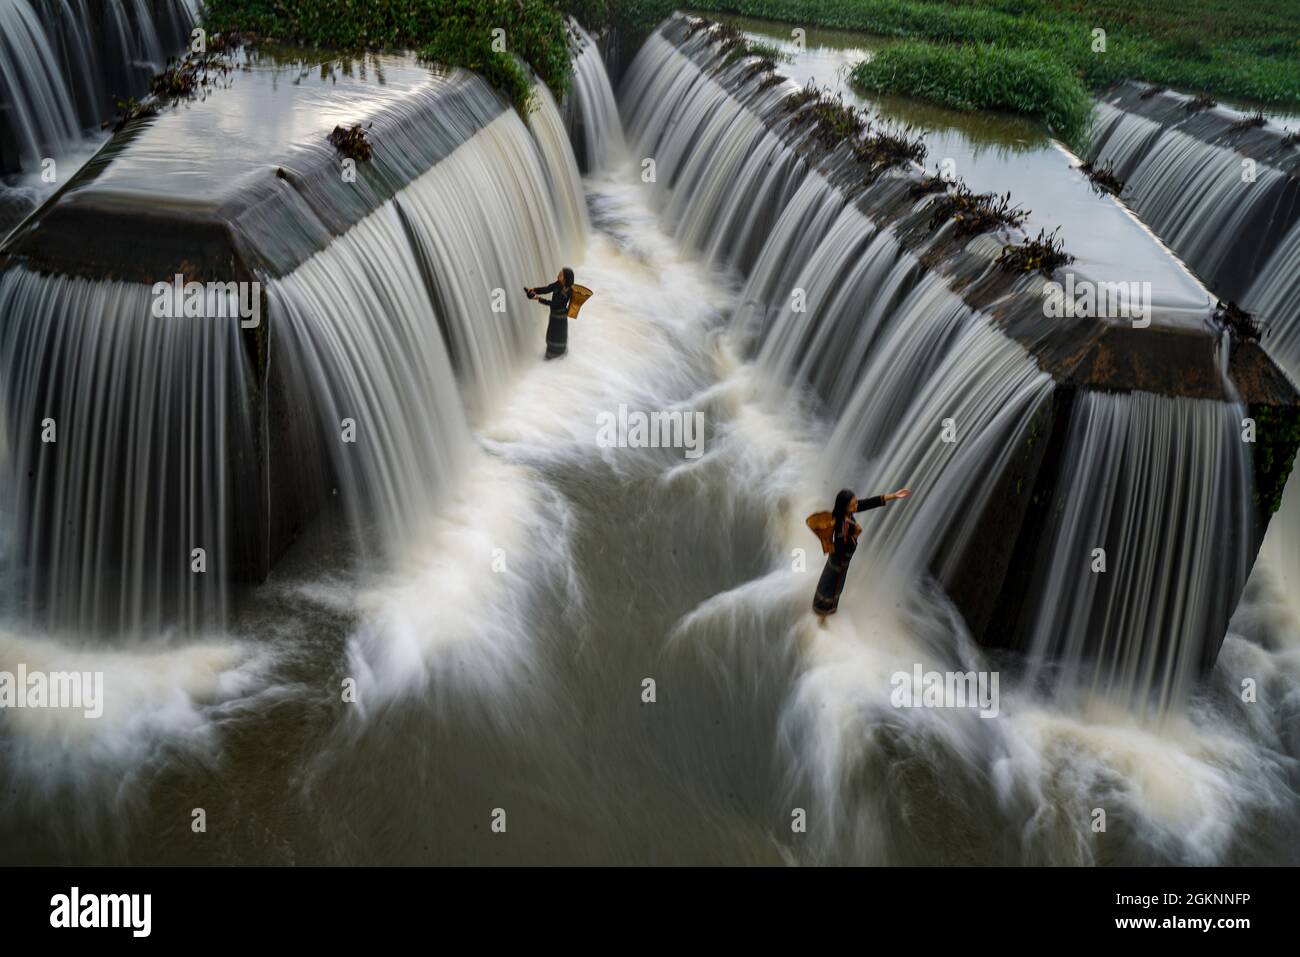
[1044, 253]
[1239, 323]
[1103, 177]
[351, 142]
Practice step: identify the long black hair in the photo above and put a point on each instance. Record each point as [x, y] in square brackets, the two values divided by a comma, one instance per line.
[841, 512]
[842, 504]
[567, 273]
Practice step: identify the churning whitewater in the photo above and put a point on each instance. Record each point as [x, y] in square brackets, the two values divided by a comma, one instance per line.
[611, 642]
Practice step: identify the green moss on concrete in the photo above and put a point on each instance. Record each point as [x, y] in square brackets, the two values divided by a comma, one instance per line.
[1277, 436]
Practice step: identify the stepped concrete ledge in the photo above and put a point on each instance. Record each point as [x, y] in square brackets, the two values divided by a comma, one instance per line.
[1247, 219]
[1215, 126]
[1179, 352]
[254, 199]
[143, 208]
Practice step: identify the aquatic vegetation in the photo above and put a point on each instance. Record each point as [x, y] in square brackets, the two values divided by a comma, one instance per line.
[1243, 50]
[1200, 102]
[882, 149]
[1277, 436]
[129, 110]
[699, 25]
[833, 120]
[194, 73]
[769, 51]
[1250, 122]
[183, 78]
[456, 33]
[797, 100]
[983, 77]
[976, 213]
[352, 143]
[1044, 253]
[926, 186]
[1239, 323]
[734, 46]
[1103, 177]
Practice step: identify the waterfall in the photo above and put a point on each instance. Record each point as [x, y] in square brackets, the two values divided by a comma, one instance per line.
[1162, 487]
[375, 354]
[495, 582]
[1274, 298]
[1225, 201]
[357, 316]
[39, 114]
[591, 112]
[64, 64]
[849, 324]
[121, 442]
[1199, 186]
[700, 192]
[1194, 196]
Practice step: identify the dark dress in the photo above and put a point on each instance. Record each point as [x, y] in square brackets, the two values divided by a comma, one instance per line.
[844, 542]
[557, 330]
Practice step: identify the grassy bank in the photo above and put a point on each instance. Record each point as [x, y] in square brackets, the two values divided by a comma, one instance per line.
[636, 18]
[1224, 47]
[452, 32]
[983, 78]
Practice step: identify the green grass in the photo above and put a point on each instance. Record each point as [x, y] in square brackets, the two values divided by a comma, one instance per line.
[1225, 47]
[452, 32]
[983, 77]
[634, 17]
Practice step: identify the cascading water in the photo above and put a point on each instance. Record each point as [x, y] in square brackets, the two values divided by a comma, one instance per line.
[64, 64]
[728, 145]
[1274, 297]
[1161, 485]
[591, 114]
[531, 577]
[366, 330]
[64, 67]
[39, 112]
[1193, 195]
[1225, 199]
[890, 353]
[1217, 188]
[872, 343]
[137, 424]
[358, 315]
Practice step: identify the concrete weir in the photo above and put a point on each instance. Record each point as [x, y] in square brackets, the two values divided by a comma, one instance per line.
[65, 64]
[240, 186]
[1174, 360]
[1221, 187]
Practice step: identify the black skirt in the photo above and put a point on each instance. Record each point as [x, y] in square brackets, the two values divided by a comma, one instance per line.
[557, 335]
[829, 586]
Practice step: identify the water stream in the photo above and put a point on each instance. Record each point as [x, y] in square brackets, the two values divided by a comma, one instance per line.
[502, 583]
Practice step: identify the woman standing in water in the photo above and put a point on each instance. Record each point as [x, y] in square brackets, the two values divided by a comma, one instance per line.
[844, 542]
[557, 330]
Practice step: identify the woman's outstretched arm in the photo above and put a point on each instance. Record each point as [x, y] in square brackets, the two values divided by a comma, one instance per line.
[879, 500]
